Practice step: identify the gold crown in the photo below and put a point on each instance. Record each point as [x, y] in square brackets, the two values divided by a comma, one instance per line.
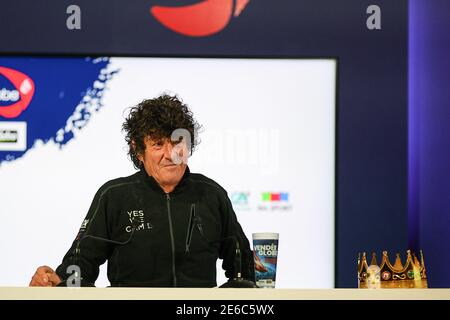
[410, 275]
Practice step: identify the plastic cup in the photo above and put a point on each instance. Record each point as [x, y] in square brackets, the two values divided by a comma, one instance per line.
[265, 252]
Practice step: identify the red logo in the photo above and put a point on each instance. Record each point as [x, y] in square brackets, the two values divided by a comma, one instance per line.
[23, 94]
[200, 19]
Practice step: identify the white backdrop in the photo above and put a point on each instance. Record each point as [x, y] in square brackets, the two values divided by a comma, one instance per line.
[269, 128]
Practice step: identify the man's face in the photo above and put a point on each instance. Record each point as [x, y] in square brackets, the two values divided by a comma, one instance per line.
[165, 161]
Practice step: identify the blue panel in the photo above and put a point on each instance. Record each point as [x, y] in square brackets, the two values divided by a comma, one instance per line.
[429, 135]
[61, 84]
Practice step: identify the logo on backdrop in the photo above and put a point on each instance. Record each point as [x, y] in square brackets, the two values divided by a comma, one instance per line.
[275, 197]
[261, 201]
[13, 101]
[200, 19]
[52, 106]
[240, 200]
[13, 136]
[275, 201]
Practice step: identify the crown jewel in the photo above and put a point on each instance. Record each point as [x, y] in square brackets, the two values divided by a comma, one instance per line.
[410, 275]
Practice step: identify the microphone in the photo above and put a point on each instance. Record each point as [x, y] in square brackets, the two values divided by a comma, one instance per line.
[238, 281]
[77, 252]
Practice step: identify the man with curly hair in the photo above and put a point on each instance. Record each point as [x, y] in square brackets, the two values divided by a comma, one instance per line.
[162, 226]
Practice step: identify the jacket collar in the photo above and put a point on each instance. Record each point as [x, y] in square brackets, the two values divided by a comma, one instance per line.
[153, 184]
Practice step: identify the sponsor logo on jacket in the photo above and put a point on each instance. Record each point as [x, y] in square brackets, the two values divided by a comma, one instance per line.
[137, 219]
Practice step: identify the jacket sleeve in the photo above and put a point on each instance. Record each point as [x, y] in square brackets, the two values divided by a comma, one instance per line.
[232, 232]
[87, 253]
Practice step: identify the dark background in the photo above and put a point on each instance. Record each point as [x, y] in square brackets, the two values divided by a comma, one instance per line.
[373, 149]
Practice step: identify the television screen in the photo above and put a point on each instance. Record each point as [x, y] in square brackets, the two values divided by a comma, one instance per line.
[268, 138]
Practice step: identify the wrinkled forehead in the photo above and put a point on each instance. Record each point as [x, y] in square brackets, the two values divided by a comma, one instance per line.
[161, 140]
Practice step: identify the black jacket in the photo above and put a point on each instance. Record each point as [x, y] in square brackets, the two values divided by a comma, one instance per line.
[177, 237]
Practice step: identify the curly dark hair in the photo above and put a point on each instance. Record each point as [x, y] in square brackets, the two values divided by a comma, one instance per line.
[156, 119]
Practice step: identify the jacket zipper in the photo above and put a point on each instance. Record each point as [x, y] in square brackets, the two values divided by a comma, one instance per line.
[171, 240]
[190, 229]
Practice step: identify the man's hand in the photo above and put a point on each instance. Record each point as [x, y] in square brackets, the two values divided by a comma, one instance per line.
[45, 277]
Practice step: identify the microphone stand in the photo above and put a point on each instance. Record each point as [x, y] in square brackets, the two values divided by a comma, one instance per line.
[238, 281]
[84, 283]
